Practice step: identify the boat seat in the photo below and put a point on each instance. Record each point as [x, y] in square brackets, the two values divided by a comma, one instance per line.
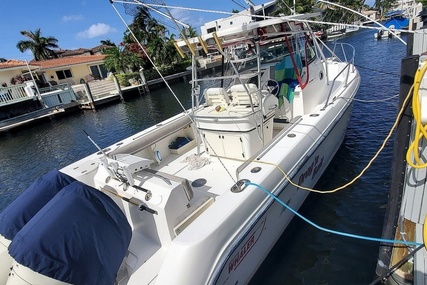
[216, 96]
[269, 104]
[241, 97]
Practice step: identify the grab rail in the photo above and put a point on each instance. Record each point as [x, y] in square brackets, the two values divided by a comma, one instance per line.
[350, 63]
[335, 79]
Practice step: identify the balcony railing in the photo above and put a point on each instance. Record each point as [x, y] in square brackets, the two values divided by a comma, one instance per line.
[16, 93]
[51, 96]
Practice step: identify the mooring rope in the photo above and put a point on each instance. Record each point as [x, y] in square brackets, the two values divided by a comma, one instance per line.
[392, 241]
[376, 101]
[362, 172]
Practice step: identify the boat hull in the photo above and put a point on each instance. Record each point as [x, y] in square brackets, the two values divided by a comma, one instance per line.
[267, 226]
[224, 255]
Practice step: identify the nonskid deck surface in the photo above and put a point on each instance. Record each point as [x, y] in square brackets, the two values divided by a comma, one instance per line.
[215, 177]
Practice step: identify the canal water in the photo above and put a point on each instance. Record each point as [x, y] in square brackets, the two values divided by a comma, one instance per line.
[304, 254]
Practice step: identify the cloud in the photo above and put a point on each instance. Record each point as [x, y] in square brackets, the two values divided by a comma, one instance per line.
[186, 17]
[96, 30]
[72, 18]
[181, 15]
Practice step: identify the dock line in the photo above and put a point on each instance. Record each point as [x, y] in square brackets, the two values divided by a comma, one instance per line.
[408, 243]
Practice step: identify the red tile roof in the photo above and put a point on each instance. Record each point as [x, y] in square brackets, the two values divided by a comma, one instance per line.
[81, 51]
[67, 61]
[12, 63]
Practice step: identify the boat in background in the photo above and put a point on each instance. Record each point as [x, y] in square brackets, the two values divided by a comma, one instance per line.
[383, 34]
[336, 32]
[188, 200]
[339, 31]
[398, 19]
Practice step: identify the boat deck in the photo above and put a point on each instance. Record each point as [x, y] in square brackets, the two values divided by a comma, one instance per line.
[181, 164]
[224, 168]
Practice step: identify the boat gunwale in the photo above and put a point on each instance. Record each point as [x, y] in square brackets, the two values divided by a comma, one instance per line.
[277, 191]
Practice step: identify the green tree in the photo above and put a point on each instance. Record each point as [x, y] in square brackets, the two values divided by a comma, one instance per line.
[286, 7]
[383, 6]
[120, 59]
[153, 37]
[144, 27]
[41, 47]
[107, 42]
[424, 2]
[190, 32]
[335, 14]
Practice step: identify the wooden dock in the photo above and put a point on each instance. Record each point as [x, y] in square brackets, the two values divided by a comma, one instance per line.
[134, 90]
[407, 198]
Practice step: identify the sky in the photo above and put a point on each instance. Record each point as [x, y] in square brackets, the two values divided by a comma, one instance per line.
[84, 23]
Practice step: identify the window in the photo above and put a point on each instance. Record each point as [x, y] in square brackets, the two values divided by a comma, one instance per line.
[211, 30]
[62, 74]
[98, 71]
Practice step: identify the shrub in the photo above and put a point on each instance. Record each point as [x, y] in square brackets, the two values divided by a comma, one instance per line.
[151, 74]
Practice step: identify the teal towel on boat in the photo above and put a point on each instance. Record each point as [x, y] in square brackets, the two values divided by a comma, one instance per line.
[285, 75]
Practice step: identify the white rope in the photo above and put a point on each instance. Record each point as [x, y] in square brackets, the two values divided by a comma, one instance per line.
[376, 101]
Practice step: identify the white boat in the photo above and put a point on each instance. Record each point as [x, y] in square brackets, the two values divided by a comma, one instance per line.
[383, 34]
[182, 201]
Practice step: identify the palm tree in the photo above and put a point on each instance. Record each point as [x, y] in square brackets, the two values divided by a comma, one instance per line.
[41, 47]
[144, 26]
[107, 42]
[190, 32]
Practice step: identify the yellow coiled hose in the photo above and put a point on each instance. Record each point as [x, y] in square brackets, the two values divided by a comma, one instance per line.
[420, 129]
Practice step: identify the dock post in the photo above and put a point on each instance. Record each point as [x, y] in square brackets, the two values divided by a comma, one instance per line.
[119, 89]
[90, 96]
[143, 80]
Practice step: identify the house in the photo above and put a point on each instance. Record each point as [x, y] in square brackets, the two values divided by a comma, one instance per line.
[74, 66]
[71, 66]
[21, 81]
[11, 68]
[74, 69]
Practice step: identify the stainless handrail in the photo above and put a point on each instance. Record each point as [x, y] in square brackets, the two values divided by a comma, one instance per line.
[346, 67]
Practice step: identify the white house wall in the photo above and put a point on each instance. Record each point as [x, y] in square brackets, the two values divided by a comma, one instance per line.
[7, 75]
[78, 72]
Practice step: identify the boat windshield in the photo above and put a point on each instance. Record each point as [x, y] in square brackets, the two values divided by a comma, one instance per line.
[289, 50]
[273, 52]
